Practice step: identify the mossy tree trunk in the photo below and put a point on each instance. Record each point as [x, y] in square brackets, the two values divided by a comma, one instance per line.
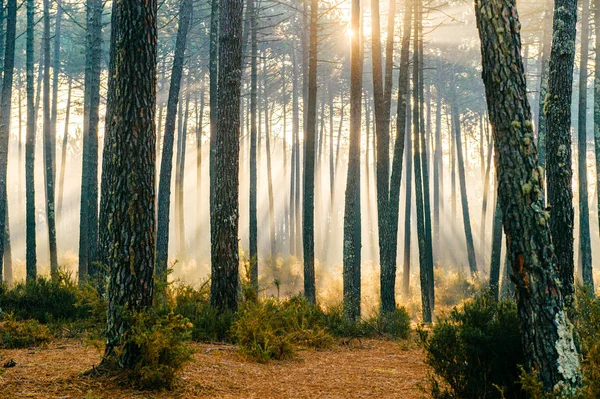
[546, 330]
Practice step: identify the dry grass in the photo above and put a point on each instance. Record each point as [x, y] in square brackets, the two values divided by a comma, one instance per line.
[371, 368]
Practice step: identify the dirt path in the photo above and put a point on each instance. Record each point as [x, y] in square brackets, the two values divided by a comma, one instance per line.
[371, 369]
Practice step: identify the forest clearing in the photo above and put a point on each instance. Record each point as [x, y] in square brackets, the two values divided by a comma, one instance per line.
[354, 369]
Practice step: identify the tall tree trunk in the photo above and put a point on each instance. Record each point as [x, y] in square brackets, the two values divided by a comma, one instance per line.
[408, 207]
[88, 225]
[558, 143]
[180, 172]
[426, 268]
[128, 173]
[463, 191]
[308, 204]
[585, 247]
[486, 191]
[55, 75]
[352, 217]
[63, 154]
[597, 102]
[269, 175]
[199, 125]
[48, 147]
[5, 105]
[253, 233]
[164, 185]
[31, 256]
[213, 71]
[546, 331]
[437, 168]
[224, 218]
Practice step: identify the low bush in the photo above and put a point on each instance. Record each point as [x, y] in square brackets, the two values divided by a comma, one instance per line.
[208, 323]
[587, 323]
[274, 329]
[52, 300]
[475, 351]
[15, 334]
[161, 341]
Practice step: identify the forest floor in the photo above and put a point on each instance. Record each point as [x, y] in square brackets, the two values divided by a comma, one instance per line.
[358, 369]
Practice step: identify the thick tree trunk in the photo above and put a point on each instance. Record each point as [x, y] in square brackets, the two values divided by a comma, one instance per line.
[585, 246]
[128, 172]
[5, 112]
[88, 225]
[164, 186]
[352, 217]
[558, 143]
[224, 218]
[546, 331]
[31, 256]
[48, 147]
[308, 203]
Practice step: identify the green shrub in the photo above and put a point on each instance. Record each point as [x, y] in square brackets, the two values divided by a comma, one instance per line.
[208, 323]
[394, 324]
[475, 351]
[52, 300]
[274, 329]
[587, 323]
[16, 334]
[162, 347]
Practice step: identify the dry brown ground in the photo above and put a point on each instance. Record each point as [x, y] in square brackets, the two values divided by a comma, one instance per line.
[370, 369]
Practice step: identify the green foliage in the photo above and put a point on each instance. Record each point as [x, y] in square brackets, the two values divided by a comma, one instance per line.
[451, 287]
[208, 323]
[52, 300]
[161, 342]
[394, 324]
[587, 323]
[475, 350]
[16, 334]
[274, 329]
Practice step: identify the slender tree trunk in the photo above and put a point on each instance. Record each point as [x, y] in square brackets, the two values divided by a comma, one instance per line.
[308, 204]
[88, 225]
[270, 179]
[597, 102]
[199, 125]
[224, 218]
[55, 75]
[48, 147]
[558, 144]
[463, 191]
[63, 155]
[180, 173]
[129, 160]
[486, 190]
[585, 247]
[253, 133]
[546, 330]
[352, 217]
[164, 186]
[31, 256]
[437, 168]
[213, 70]
[408, 207]
[5, 112]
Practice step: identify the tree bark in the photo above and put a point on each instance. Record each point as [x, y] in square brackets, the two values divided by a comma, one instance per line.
[546, 331]
[558, 143]
[308, 204]
[48, 146]
[352, 217]
[225, 215]
[253, 233]
[63, 154]
[31, 256]
[128, 172]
